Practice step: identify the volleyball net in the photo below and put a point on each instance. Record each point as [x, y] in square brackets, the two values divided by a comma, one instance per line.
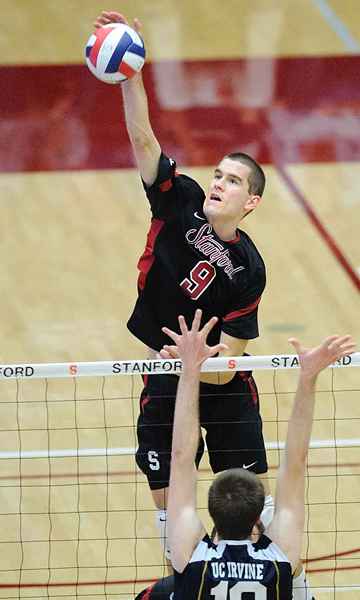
[76, 514]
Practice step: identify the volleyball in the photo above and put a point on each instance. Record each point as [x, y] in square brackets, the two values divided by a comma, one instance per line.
[114, 53]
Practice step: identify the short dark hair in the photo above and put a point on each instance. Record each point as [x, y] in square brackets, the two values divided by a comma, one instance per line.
[235, 502]
[257, 176]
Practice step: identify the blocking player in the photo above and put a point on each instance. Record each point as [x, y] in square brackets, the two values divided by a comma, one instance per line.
[243, 560]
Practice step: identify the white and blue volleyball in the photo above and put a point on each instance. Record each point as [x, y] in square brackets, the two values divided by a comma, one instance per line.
[114, 53]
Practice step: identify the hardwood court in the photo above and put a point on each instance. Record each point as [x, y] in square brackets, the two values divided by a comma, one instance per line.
[281, 77]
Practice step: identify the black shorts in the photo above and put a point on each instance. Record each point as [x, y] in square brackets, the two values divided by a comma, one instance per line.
[229, 414]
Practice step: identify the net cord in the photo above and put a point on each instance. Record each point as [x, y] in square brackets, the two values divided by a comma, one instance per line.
[152, 366]
[77, 452]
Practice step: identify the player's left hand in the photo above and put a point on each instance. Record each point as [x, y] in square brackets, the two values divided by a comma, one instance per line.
[314, 360]
[190, 345]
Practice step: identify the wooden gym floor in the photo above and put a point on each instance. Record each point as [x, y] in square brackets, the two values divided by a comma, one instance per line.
[277, 79]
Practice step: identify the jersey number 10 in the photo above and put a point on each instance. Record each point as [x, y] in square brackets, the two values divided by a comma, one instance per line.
[243, 590]
[200, 278]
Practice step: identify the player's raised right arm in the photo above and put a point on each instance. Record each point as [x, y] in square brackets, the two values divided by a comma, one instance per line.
[145, 146]
[144, 143]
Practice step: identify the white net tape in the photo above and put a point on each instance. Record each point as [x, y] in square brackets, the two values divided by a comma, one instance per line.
[128, 367]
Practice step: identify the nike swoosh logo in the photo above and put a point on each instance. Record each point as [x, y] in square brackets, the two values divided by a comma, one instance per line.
[198, 216]
[250, 465]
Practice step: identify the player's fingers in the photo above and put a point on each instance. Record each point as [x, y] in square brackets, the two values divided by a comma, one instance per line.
[196, 321]
[218, 348]
[137, 25]
[339, 340]
[182, 324]
[348, 341]
[348, 348]
[341, 346]
[330, 340]
[347, 338]
[171, 350]
[114, 17]
[174, 336]
[163, 354]
[208, 326]
[296, 345]
[101, 21]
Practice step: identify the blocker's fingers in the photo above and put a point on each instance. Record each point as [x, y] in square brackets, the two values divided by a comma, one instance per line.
[182, 324]
[349, 341]
[348, 350]
[209, 325]
[340, 341]
[296, 344]
[174, 336]
[173, 351]
[164, 354]
[196, 320]
[215, 349]
[331, 339]
[342, 345]
[348, 347]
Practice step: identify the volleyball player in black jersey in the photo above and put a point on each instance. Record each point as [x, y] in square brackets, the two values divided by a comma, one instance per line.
[243, 561]
[195, 256]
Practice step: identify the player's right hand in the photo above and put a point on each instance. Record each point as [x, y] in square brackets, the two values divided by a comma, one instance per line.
[107, 17]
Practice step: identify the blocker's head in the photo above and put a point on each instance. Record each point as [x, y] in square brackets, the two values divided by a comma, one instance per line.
[235, 502]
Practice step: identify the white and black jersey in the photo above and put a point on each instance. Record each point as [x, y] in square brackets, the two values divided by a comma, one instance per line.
[235, 570]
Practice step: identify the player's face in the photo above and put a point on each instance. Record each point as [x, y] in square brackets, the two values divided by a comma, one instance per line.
[228, 198]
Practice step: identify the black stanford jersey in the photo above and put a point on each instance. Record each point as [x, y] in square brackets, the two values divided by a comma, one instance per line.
[186, 266]
[235, 570]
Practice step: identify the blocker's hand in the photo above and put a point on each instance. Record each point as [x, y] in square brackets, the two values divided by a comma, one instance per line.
[314, 360]
[107, 17]
[190, 345]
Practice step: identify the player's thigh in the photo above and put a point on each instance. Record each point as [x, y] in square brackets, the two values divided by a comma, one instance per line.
[230, 415]
[154, 425]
